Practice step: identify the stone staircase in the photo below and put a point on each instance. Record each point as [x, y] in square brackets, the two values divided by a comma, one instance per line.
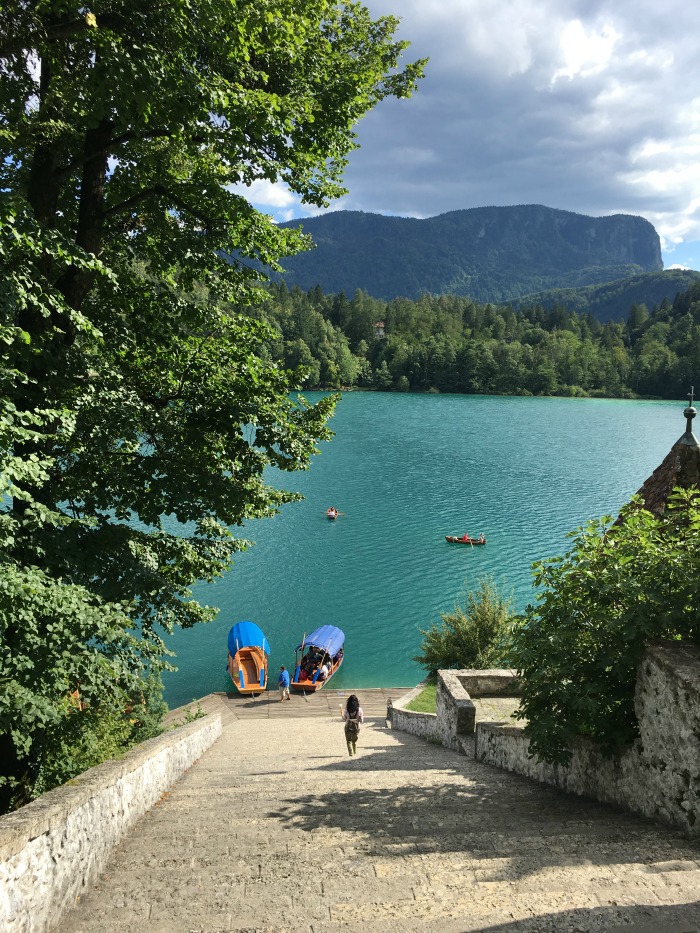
[277, 829]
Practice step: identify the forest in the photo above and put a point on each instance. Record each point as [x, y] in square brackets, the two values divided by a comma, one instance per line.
[453, 344]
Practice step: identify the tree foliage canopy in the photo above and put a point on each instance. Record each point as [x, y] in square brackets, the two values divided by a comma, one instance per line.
[454, 344]
[134, 383]
[619, 587]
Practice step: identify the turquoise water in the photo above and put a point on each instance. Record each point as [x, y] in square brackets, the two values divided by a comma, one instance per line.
[404, 470]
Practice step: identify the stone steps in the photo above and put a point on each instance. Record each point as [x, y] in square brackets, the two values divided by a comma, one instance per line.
[277, 829]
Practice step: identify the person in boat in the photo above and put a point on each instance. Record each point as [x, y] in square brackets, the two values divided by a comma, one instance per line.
[482, 537]
[465, 537]
[353, 717]
[324, 670]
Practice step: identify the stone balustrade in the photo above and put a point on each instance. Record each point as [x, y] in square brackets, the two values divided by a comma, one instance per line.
[54, 847]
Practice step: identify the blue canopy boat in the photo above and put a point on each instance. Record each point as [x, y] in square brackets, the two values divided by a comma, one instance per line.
[323, 648]
[248, 651]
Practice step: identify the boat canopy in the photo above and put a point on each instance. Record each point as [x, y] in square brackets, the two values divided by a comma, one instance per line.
[246, 635]
[327, 637]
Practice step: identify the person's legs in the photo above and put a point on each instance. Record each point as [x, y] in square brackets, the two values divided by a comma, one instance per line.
[354, 747]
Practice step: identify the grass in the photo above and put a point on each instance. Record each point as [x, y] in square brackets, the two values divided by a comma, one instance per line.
[425, 701]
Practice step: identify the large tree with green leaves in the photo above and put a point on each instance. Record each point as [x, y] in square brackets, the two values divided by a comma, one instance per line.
[130, 388]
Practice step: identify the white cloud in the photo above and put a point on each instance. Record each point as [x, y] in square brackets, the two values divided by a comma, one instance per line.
[617, 131]
[586, 52]
[264, 193]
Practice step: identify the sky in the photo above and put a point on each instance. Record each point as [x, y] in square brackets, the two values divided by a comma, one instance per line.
[590, 106]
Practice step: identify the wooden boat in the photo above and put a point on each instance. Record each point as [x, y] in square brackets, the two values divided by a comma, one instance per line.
[332, 514]
[465, 539]
[248, 652]
[324, 645]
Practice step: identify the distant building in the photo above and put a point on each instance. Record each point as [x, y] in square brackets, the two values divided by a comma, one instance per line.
[681, 467]
[379, 329]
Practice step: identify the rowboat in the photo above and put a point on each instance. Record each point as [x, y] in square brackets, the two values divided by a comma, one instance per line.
[248, 651]
[465, 539]
[332, 513]
[323, 647]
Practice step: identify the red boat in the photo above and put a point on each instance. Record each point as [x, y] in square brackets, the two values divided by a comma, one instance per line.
[465, 539]
[332, 513]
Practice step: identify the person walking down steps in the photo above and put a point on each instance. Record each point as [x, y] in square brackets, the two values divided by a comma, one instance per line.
[353, 716]
[283, 683]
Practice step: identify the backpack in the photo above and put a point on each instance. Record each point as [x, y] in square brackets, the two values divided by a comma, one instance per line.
[352, 727]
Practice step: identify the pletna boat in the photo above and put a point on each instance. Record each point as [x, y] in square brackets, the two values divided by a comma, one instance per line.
[332, 513]
[465, 539]
[248, 651]
[317, 658]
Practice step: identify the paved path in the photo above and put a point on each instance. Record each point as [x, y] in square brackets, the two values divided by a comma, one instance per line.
[276, 829]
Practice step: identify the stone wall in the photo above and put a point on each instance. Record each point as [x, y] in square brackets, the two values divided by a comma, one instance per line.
[456, 712]
[407, 720]
[54, 847]
[659, 775]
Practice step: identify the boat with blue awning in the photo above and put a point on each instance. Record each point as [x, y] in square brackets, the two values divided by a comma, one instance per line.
[317, 658]
[248, 652]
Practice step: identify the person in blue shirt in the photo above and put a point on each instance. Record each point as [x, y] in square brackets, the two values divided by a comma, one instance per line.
[283, 683]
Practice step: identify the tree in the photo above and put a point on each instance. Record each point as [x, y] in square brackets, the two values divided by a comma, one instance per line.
[471, 637]
[620, 586]
[131, 387]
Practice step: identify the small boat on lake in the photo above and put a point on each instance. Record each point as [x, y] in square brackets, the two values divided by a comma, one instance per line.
[317, 658]
[332, 513]
[248, 652]
[465, 539]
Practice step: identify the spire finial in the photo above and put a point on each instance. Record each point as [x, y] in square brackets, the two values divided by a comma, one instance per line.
[690, 412]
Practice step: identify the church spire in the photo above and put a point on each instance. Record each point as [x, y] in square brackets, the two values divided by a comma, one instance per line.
[689, 438]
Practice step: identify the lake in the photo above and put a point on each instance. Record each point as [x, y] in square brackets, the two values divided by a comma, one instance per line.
[404, 470]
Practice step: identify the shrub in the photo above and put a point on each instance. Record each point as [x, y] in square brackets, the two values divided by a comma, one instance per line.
[620, 586]
[471, 637]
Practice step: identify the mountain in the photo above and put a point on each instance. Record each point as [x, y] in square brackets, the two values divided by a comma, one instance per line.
[495, 254]
[613, 300]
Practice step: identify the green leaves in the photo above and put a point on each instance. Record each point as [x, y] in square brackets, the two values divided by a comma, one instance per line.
[139, 409]
[473, 637]
[618, 588]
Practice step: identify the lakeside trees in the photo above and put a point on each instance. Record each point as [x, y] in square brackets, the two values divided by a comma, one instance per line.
[131, 387]
[453, 344]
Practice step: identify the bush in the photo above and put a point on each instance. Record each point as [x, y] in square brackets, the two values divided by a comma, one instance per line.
[620, 587]
[471, 637]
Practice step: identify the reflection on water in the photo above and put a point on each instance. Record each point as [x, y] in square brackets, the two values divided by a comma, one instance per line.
[404, 470]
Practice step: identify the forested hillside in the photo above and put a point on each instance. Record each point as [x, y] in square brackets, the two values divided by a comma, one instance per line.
[496, 254]
[454, 344]
[612, 301]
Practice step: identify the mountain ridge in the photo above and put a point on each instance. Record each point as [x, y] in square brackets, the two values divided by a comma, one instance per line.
[496, 254]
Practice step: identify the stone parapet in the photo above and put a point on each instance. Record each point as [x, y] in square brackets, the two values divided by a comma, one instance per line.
[454, 721]
[408, 720]
[456, 711]
[657, 776]
[51, 849]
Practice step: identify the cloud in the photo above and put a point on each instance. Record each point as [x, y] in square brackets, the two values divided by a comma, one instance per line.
[585, 52]
[584, 105]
